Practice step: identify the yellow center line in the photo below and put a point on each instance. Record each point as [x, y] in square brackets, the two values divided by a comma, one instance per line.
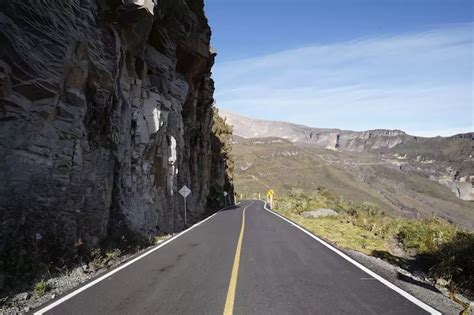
[229, 303]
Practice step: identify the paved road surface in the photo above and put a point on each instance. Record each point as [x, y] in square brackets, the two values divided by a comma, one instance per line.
[264, 266]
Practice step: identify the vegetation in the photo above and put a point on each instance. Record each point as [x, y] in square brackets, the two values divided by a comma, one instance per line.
[41, 288]
[161, 238]
[102, 258]
[222, 158]
[395, 186]
[439, 248]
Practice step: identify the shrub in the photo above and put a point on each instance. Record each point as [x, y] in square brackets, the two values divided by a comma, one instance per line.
[425, 235]
[113, 254]
[371, 208]
[41, 288]
[454, 261]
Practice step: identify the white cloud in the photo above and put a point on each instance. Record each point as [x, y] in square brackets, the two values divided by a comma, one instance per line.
[421, 81]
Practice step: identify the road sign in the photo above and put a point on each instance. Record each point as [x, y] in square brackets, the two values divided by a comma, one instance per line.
[270, 194]
[225, 198]
[185, 191]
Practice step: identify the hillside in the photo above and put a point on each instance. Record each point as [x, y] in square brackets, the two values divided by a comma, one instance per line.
[447, 160]
[399, 187]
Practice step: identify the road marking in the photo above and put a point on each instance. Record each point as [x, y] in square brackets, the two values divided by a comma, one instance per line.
[403, 293]
[107, 275]
[229, 303]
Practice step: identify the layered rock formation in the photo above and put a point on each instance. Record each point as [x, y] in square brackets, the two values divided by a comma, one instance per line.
[106, 110]
[357, 141]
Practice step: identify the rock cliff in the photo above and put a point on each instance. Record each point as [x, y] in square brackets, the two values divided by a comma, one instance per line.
[106, 110]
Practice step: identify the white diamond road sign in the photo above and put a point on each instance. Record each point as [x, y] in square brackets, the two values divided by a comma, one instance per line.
[185, 191]
[225, 193]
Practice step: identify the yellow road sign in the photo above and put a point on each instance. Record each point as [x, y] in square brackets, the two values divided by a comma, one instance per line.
[270, 193]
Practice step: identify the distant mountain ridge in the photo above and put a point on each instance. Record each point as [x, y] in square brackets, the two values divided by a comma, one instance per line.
[330, 138]
[447, 160]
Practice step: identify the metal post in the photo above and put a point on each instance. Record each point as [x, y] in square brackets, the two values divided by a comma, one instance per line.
[184, 211]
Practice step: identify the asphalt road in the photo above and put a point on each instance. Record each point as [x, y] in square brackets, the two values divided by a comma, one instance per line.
[266, 266]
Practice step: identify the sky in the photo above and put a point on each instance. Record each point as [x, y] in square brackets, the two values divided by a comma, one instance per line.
[348, 64]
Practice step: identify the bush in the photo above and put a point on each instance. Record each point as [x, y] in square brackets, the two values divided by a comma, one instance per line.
[371, 208]
[113, 254]
[454, 261]
[41, 288]
[425, 235]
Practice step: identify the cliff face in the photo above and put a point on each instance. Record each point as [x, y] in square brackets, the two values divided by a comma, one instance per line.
[106, 110]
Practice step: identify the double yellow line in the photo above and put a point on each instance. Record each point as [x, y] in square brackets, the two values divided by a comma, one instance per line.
[229, 303]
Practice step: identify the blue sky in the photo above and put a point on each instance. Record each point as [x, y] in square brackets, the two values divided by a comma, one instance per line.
[347, 64]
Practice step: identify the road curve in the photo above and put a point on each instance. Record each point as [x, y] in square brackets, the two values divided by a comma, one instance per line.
[279, 270]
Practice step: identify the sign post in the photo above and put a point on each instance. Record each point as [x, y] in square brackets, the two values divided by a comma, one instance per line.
[184, 191]
[225, 198]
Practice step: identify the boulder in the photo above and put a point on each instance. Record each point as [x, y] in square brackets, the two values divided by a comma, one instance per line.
[319, 213]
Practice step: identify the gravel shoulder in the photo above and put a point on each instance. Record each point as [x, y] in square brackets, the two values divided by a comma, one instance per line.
[59, 284]
[415, 285]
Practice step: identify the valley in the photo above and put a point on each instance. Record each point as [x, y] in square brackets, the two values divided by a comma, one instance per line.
[415, 180]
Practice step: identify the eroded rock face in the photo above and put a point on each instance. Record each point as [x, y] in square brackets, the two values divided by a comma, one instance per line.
[334, 139]
[105, 112]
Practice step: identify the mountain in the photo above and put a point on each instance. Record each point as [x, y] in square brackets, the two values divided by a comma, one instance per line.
[447, 160]
[399, 186]
[403, 174]
[327, 138]
[358, 141]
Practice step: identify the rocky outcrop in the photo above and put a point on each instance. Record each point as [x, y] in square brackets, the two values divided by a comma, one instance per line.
[334, 139]
[106, 110]
[461, 186]
[319, 213]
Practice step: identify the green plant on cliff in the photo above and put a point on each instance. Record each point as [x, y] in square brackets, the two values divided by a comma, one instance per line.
[223, 132]
[41, 288]
[223, 162]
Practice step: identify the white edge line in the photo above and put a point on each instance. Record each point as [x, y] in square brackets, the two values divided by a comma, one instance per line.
[92, 283]
[405, 294]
